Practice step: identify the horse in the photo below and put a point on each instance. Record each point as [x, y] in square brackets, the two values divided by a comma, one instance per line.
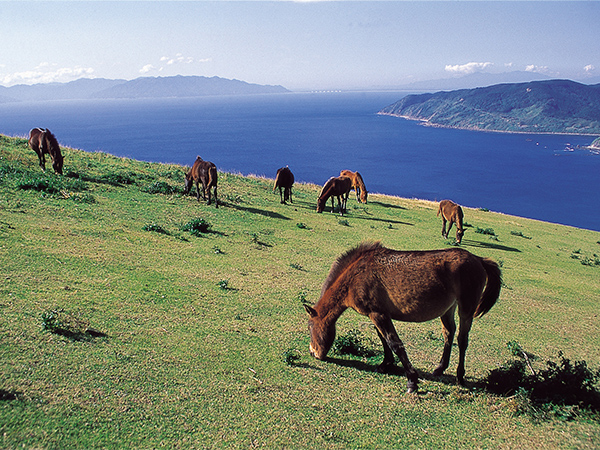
[451, 213]
[410, 286]
[43, 142]
[285, 180]
[357, 184]
[203, 172]
[335, 187]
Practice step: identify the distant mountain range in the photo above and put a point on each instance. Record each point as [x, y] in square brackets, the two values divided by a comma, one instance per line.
[145, 87]
[551, 106]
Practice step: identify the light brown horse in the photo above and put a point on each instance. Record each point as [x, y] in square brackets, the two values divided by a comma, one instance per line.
[451, 213]
[412, 286]
[203, 172]
[357, 184]
[43, 142]
[335, 187]
[284, 180]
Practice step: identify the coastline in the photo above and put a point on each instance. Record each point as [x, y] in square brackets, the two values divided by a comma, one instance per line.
[427, 123]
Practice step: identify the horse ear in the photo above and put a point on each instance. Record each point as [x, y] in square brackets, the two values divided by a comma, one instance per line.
[311, 311]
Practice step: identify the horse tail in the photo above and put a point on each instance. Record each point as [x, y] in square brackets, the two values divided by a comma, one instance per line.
[492, 289]
[212, 176]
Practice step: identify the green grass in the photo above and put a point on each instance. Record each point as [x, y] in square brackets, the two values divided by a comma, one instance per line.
[202, 339]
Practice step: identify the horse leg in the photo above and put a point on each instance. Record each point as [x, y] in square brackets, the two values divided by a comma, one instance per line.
[448, 328]
[290, 194]
[444, 234]
[450, 222]
[215, 194]
[386, 328]
[42, 159]
[281, 196]
[388, 355]
[198, 191]
[463, 343]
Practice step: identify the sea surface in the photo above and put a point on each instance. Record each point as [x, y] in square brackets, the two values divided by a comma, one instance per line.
[546, 177]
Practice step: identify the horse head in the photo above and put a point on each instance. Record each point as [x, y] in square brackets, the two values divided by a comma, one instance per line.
[189, 182]
[321, 202]
[321, 336]
[57, 163]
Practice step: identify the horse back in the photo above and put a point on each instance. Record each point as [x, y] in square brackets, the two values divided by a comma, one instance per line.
[451, 211]
[284, 178]
[35, 139]
[411, 286]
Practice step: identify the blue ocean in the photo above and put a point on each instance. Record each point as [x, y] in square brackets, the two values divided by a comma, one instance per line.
[547, 177]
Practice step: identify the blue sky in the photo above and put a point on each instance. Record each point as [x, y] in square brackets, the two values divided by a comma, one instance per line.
[300, 45]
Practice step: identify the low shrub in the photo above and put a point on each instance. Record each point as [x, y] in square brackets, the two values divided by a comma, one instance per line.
[564, 389]
[353, 343]
[196, 227]
[155, 228]
[160, 187]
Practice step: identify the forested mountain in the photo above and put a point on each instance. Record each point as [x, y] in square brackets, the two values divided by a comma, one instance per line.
[552, 106]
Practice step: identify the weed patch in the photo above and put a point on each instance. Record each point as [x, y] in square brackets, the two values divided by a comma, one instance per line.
[69, 325]
[353, 343]
[197, 227]
[155, 228]
[564, 389]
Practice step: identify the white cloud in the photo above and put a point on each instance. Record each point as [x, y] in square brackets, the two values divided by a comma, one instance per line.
[41, 74]
[466, 69]
[589, 68]
[166, 61]
[147, 68]
[536, 69]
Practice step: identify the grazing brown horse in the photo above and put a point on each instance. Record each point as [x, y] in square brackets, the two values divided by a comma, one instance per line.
[357, 184]
[451, 213]
[412, 286]
[284, 180]
[203, 172]
[43, 142]
[335, 187]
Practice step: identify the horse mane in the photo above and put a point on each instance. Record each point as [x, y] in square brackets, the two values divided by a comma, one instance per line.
[52, 139]
[360, 182]
[346, 259]
[326, 186]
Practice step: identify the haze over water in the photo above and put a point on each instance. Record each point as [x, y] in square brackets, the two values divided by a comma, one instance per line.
[545, 177]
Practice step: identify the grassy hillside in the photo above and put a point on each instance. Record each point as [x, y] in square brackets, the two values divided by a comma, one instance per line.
[201, 340]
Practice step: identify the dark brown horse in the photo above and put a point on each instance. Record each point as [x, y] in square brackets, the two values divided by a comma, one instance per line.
[416, 286]
[284, 180]
[335, 187]
[451, 213]
[357, 184]
[205, 173]
[43, 142]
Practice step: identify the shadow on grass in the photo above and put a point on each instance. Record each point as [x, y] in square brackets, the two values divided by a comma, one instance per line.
[261, 212]
[489, 245]
[8, 395]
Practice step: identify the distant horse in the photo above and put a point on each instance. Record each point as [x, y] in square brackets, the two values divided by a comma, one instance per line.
[203, 172]
[412, 286]
[357, 184]
[43, 143]
[284, 180]
[451, 213]
[335, 187]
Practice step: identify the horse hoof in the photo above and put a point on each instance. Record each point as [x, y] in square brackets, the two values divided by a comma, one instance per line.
[412, 388]
[438, 372]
